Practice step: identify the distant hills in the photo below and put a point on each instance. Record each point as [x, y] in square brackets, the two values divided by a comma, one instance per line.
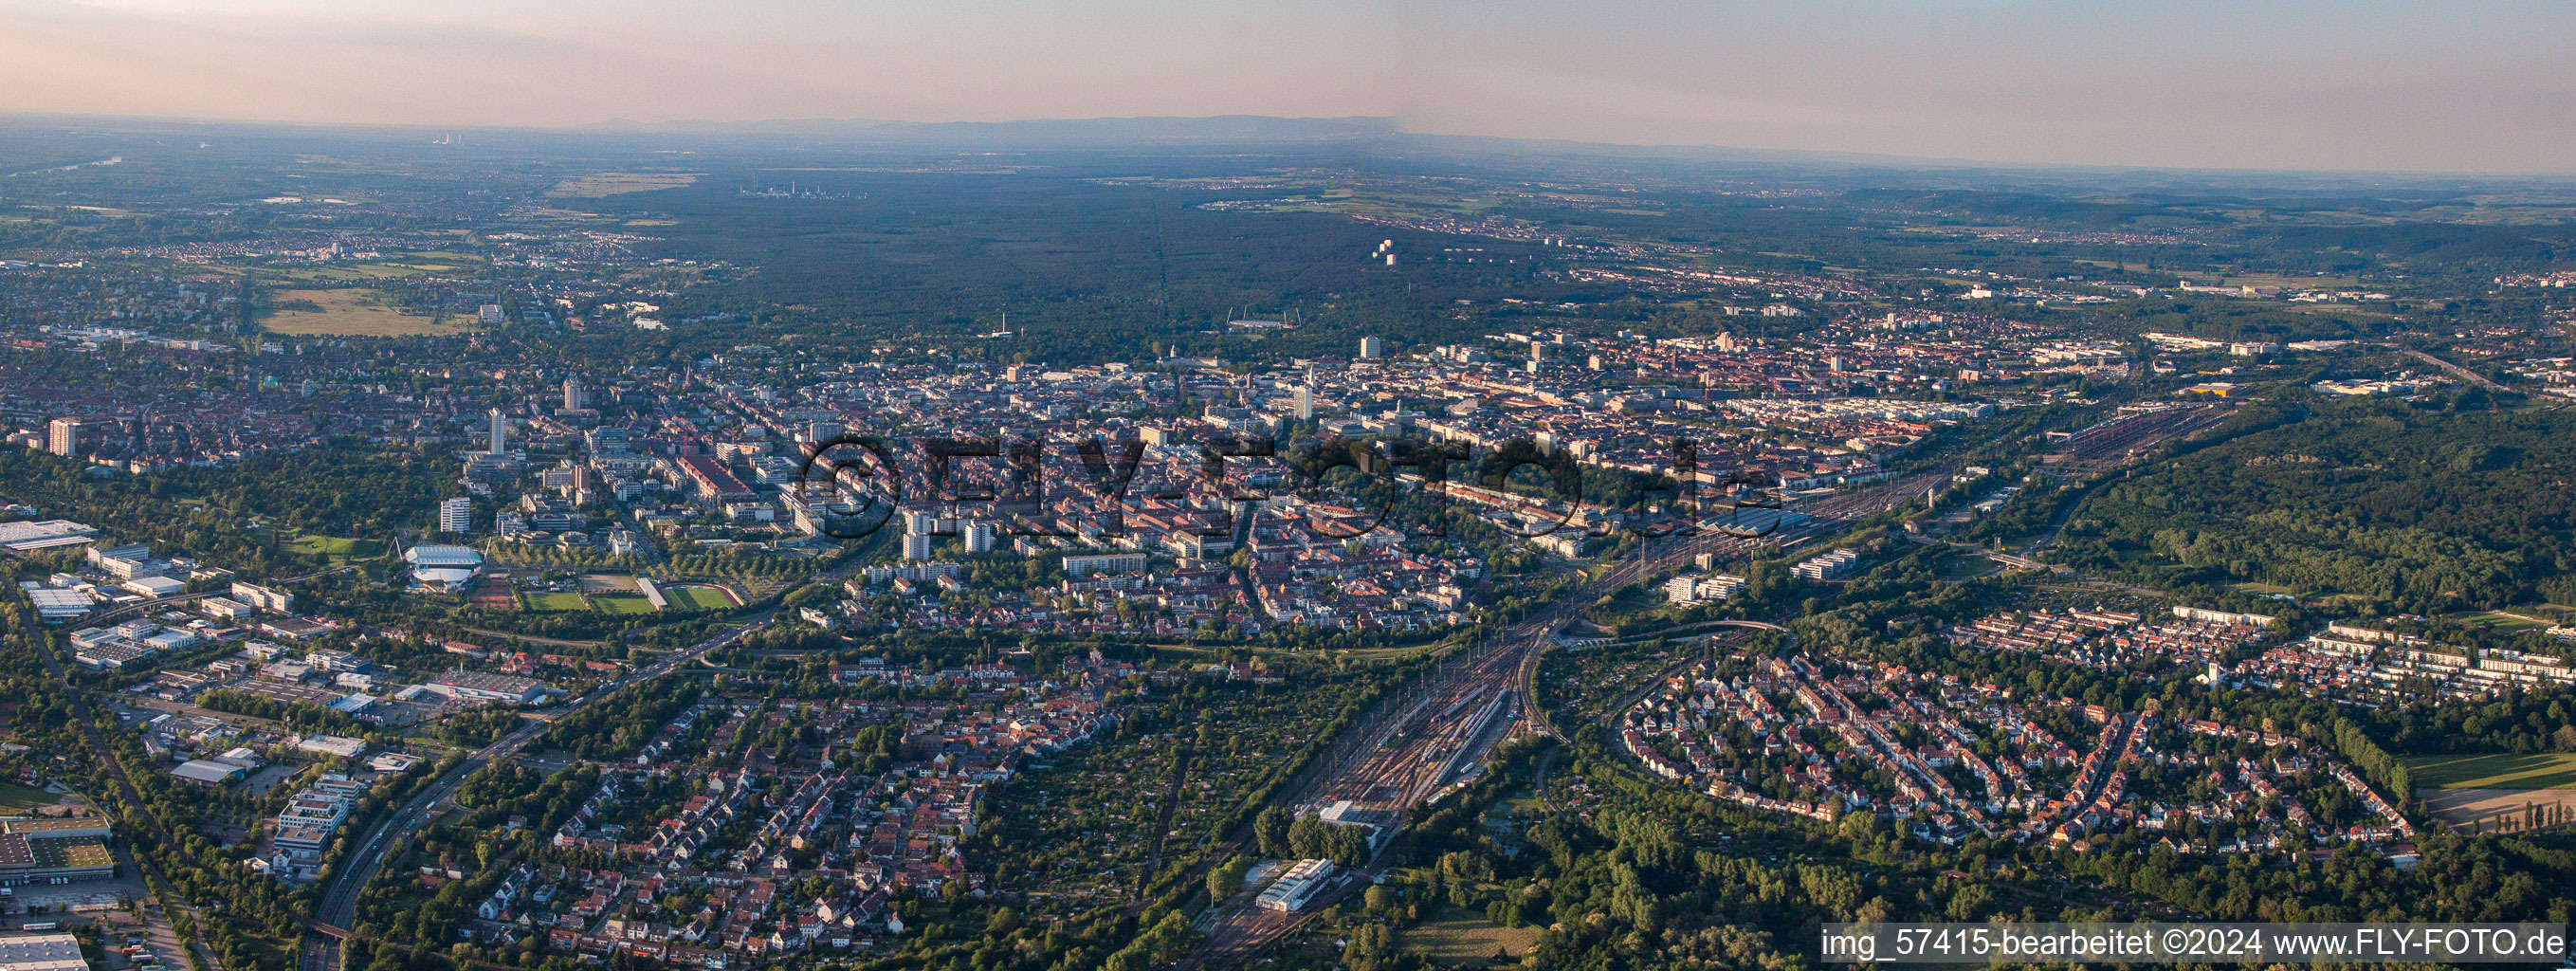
[1037, 133]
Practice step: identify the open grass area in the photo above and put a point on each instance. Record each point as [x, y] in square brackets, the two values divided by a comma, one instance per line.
[621, 605]
[697, 598]
[556, 601]
[2542, 770]
[1454, 935]
[16, 798]
[351, 312]
[2499, 621]
[339, 549]
[599, 184]
[373, 269]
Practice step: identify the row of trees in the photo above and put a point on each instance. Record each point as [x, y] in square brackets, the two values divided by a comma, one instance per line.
[1309, 838]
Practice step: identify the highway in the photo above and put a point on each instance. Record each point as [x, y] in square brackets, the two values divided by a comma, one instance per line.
[2455, 370]
[352, 874]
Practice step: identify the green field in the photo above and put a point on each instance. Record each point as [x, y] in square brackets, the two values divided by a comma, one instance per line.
[1455, 935]
[18, 798]
[2546, 770]
[376, 270]
[2250, 587]
[600, 184]
[2495, 620]
[621, 605]
[697, 598]
[340, 550]
[352, 313]
[556, 601]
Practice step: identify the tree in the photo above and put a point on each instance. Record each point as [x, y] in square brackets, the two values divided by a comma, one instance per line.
[1226, 879]
[1270, 831]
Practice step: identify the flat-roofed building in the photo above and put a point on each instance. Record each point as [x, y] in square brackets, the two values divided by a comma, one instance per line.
[112, 655]
[347, 748]
[28, 537]
[62, 436]
[1298, 887]
[487, 687]
[49, 951]
[97, 826]
[306, 841]
[294, 628]
[1086, 565]
[288, 692]
[264, 598]
[155, 587]
[54, 605]
[207, 772]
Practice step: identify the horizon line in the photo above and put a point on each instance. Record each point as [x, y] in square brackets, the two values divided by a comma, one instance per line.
[1391, 127]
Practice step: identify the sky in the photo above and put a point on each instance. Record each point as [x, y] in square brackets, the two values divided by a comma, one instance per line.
[2359, 85]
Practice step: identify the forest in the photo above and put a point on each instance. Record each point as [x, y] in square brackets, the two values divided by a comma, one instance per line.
[243, 517]
[2420, 511]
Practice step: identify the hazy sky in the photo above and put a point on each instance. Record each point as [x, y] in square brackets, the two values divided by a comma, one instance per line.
[2360, 84]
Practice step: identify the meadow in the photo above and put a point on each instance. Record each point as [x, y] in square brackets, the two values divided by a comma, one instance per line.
[350, 312]
[2538, 770]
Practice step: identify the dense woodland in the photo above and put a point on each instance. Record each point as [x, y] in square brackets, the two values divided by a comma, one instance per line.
[2423, 511]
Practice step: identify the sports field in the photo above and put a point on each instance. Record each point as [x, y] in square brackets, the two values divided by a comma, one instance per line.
[621, 605]
[350, 312]
[596, 583]
[2541, 770]
[698, 598]
[556, 601]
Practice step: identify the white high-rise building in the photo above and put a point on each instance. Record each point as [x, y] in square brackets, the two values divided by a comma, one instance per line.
[980, 537]
[62, 436]
[575, 397]
[456, 515]
[916, 546]
[1371, 349]
[1305, 402]
[499, 435]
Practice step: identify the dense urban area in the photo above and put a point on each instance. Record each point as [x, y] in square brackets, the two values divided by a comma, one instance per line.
[435, 552]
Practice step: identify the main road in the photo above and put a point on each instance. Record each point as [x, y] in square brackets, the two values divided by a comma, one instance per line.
[338, 910]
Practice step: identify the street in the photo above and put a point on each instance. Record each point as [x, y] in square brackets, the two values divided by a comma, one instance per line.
[352, 874]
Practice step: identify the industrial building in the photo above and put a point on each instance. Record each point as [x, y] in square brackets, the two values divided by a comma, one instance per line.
[48, 951]
[1298, 887]
[487, 687]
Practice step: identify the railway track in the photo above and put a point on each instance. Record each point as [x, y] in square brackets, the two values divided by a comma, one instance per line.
[1387, 770]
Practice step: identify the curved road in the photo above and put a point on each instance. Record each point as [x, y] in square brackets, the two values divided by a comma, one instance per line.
[353, 873]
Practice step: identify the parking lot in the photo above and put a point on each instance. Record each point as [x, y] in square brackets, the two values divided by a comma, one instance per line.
[46, 899]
